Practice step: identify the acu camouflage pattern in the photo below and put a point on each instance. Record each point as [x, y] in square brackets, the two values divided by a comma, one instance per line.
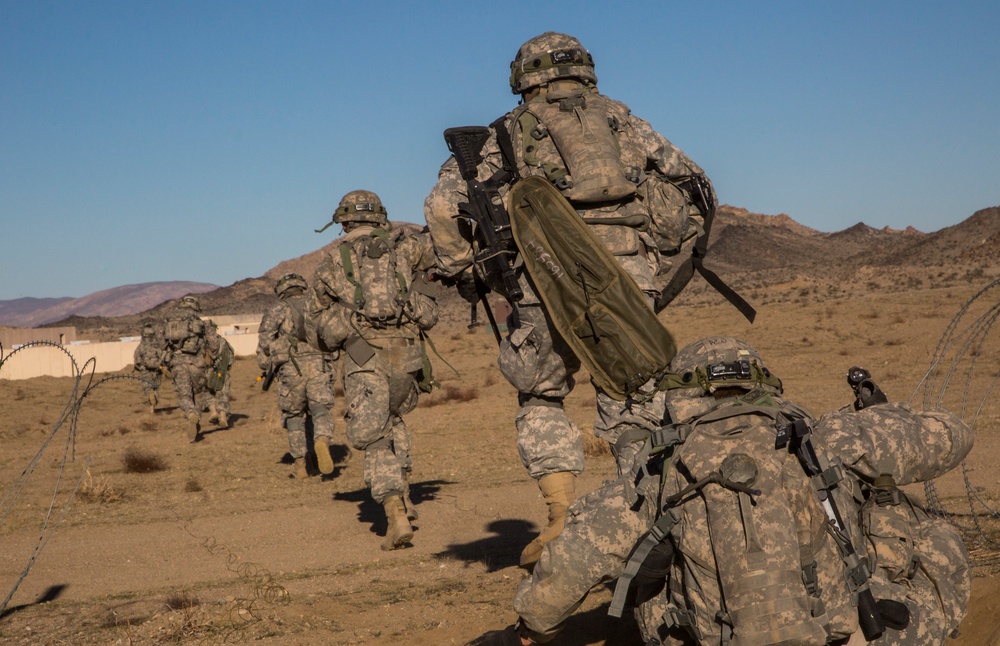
[757, 549]
[533, 357]
[915, 558]
[305, 374]
[219, 359]
[186, 358]
[379, 389]
[334, 309]
[148, 359]
[604, 526]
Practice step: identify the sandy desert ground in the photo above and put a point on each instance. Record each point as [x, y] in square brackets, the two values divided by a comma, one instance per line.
[220, 546]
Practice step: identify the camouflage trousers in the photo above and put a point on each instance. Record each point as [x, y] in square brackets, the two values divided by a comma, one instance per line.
[305, 390]
[151, 380]
[536, 360]
[601, 529]
[190, 382]
[189, 376]
[218, 400]
[377, 394]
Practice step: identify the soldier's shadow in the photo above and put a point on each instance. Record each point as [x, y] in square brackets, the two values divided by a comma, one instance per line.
[211, 428]
[371, 512]
[500, 550]
[52, 593]
[595, 626]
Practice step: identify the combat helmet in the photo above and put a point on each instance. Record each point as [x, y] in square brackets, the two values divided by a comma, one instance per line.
[290, 281]
[363, 207]
[550, 56]
[190, 302]
[704, 367]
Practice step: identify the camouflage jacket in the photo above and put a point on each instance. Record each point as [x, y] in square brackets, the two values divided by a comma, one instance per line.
[285, 332]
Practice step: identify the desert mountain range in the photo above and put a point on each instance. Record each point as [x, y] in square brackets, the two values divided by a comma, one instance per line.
[767, 258]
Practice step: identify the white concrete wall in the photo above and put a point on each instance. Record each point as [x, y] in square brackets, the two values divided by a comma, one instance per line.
[110, 357]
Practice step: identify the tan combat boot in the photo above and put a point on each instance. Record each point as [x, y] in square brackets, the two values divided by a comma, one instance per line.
[152, 401]
[323, 459]
[223, 420]
[213, 413]
[300, 470]
[399, 532]
[194, 426]
[559, 490]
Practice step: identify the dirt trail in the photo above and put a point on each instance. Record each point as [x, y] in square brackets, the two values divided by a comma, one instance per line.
[222, 547]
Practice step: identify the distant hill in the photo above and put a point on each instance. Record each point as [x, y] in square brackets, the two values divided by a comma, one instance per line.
[766, 258]
[117, 301]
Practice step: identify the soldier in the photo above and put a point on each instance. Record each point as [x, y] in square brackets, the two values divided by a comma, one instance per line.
[219, 357]
[288, 351]
[186, 359]
[693, 526]
[148, 362]
[371, 298]
[634, 189]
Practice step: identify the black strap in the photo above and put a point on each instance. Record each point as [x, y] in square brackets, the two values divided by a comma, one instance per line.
[696, 262]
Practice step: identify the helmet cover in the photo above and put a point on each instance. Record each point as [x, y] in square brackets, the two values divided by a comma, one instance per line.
[547, 57]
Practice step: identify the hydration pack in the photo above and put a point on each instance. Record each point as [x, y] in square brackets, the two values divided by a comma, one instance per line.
[583, 126]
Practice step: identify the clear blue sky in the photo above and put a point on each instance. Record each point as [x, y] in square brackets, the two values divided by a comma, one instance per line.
[205, 140]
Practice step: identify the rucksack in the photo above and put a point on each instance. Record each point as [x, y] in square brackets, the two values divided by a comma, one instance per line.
[750, 535]
[185, 333]
[369, 264]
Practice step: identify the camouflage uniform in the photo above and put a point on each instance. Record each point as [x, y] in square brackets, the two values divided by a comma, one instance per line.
[187, 360]
[915, 560]
[217, 396]
[383, 356]
[533, 357]
[304, 373]
[148, 362]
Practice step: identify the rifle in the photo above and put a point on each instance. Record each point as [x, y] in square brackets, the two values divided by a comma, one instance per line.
[485, 208]
[268, 378]
[866, 391]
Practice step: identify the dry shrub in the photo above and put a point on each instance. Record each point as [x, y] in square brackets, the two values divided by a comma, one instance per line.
[137, 460]
[99, 490]
[594, 446]
[181, 601]
[192, 486]
[149, 425]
